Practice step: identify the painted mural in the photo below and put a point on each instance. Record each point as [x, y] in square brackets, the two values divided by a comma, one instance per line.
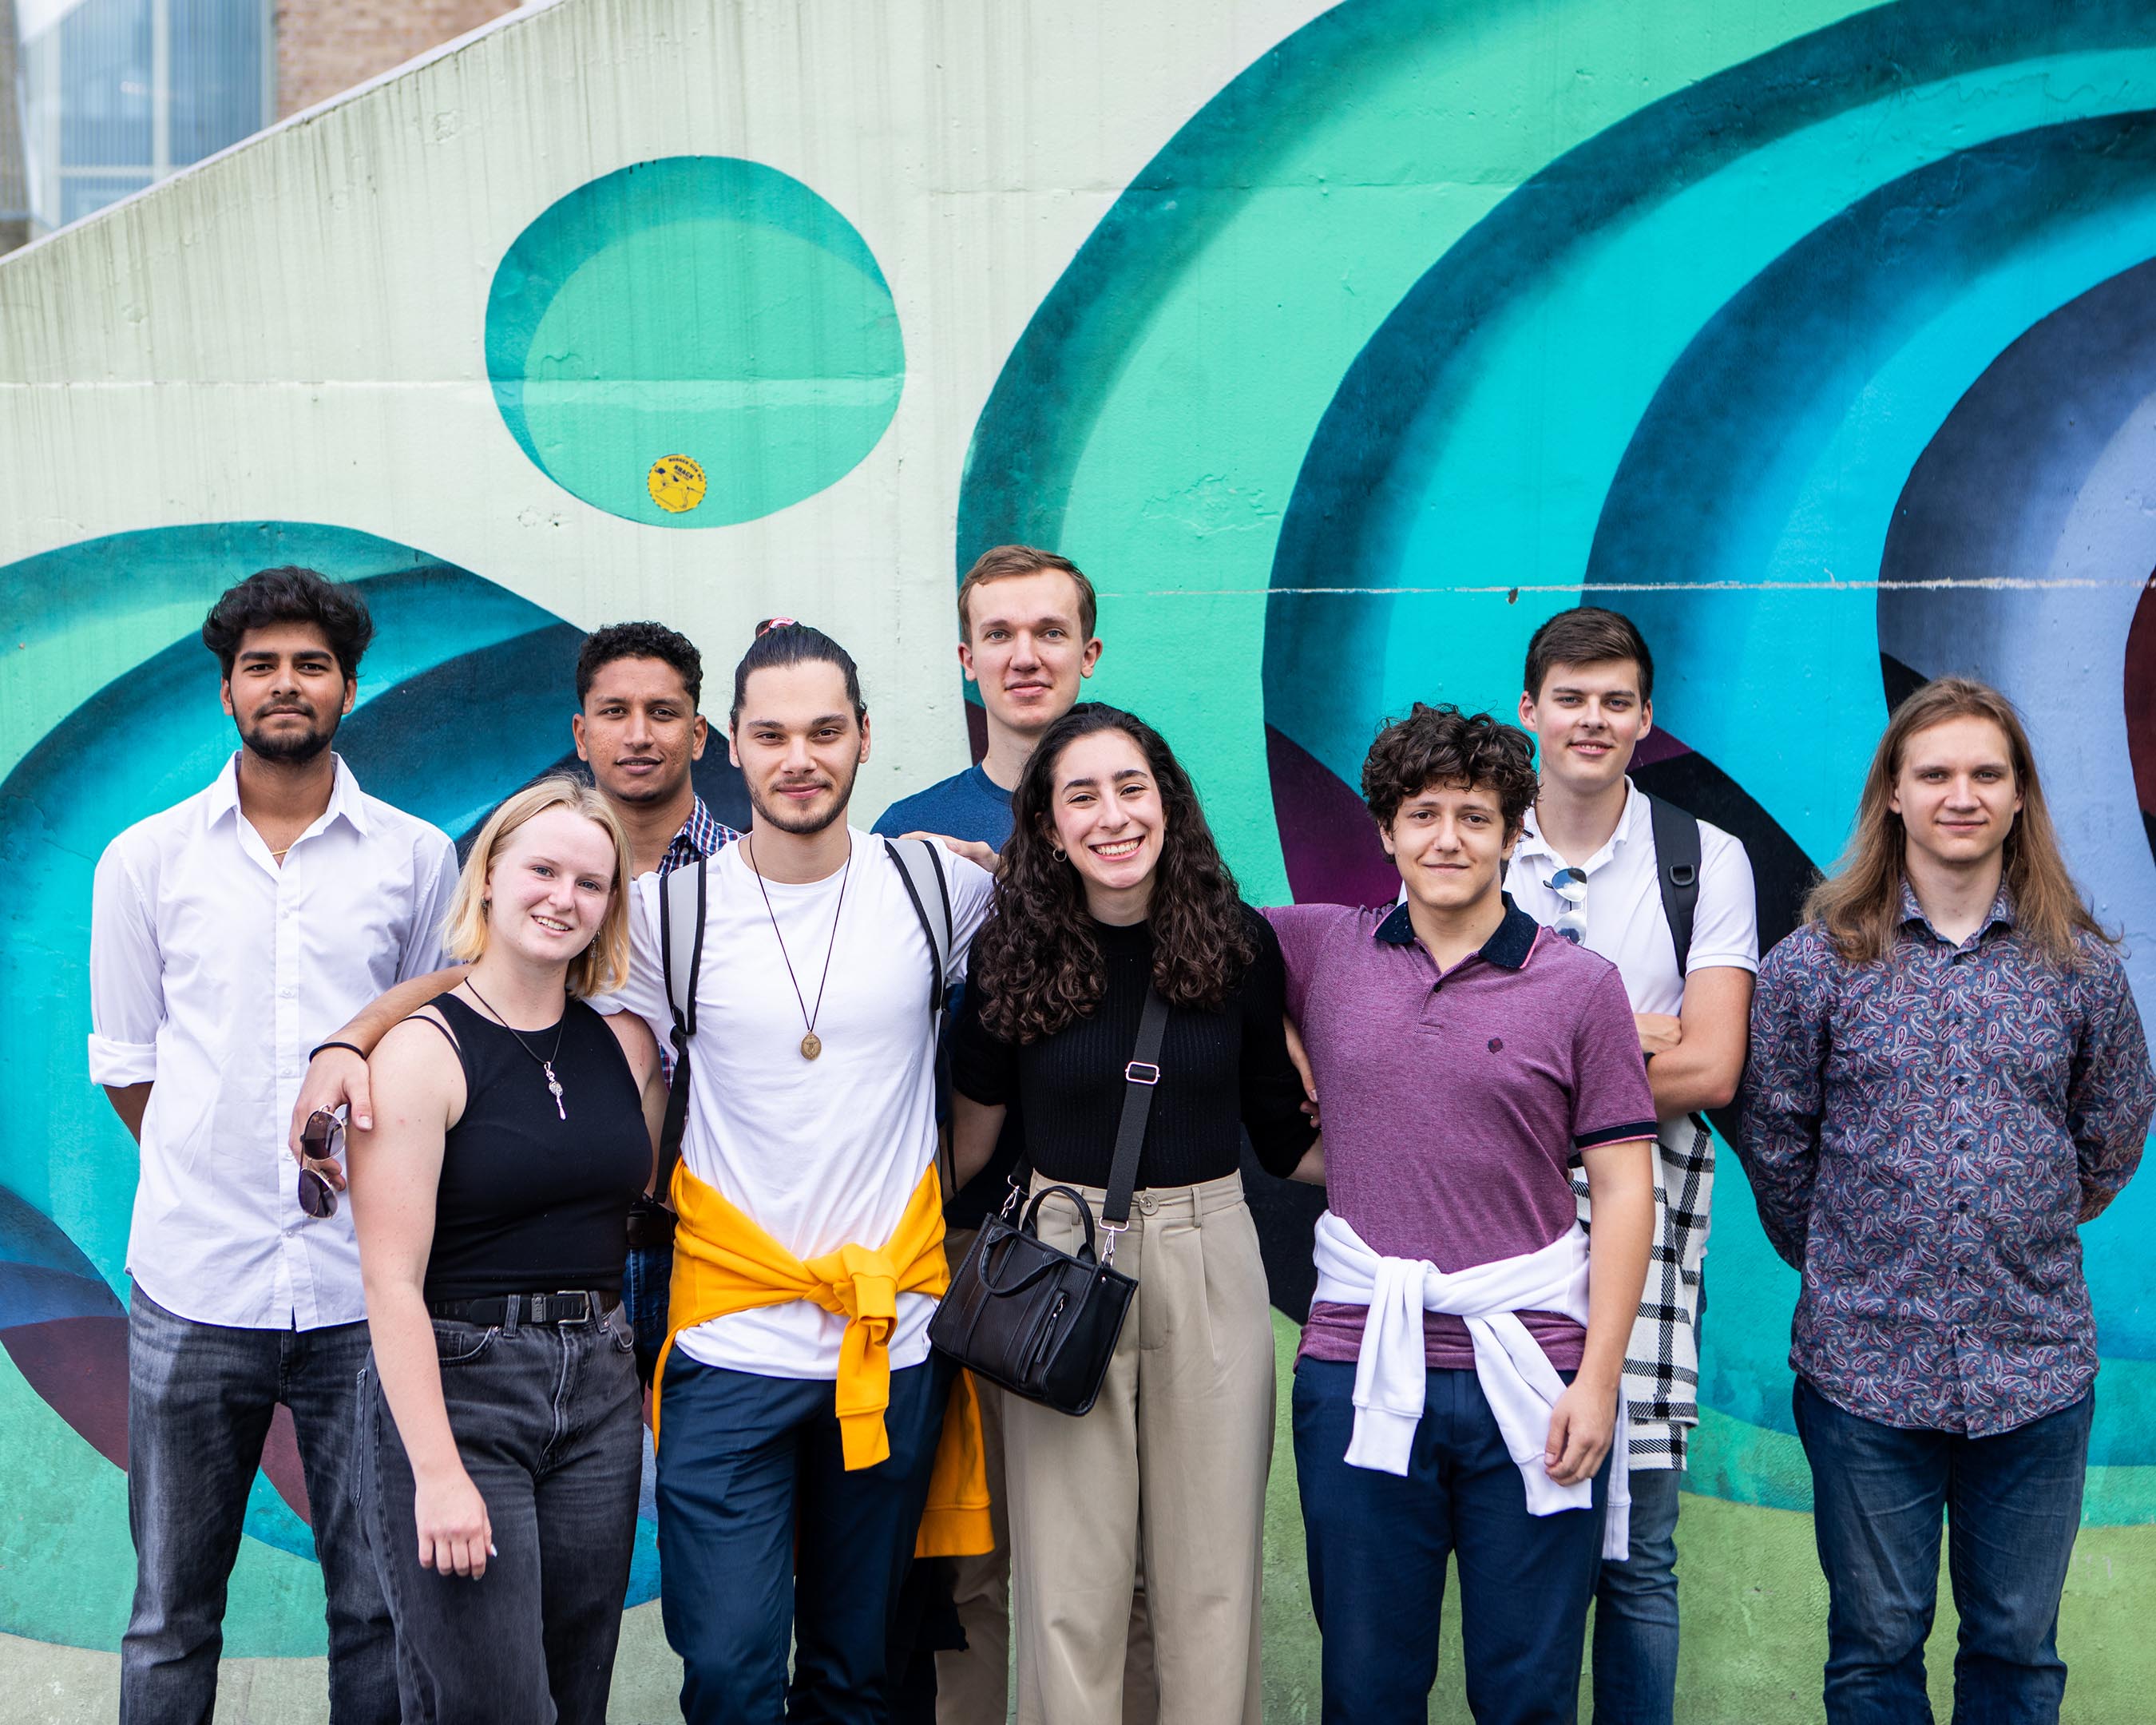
[1821, 340]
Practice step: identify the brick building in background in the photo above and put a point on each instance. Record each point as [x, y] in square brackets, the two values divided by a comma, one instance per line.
[118, 94]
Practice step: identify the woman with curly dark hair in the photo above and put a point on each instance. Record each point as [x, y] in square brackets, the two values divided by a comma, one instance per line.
[1113, 887]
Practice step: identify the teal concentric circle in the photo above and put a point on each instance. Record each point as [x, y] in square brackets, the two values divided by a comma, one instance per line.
[693, 342]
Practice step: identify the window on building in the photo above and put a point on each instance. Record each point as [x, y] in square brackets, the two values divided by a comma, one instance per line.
[118, 94]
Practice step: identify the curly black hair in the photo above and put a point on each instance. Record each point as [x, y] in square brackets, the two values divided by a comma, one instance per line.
[639, 640]
[1441, 745]
[291, 594]
[1037, 961]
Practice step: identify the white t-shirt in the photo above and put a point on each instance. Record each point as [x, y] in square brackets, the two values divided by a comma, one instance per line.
[1624, 919]
[818, 1154]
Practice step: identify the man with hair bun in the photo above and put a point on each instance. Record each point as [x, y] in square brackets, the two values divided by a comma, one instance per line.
[228, 936]
[1460, 1381]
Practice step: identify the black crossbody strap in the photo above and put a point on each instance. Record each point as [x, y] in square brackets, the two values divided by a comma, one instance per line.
[683, 905]
[1141, 1078]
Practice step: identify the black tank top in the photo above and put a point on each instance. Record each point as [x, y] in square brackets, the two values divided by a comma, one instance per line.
[530, 1201]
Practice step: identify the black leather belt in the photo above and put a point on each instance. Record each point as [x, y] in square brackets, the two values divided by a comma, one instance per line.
[572, 1306]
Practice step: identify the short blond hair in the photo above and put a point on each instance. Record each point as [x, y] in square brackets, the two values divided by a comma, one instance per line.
[602, 967]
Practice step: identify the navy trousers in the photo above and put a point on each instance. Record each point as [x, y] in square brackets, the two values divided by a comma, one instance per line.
[1378, 1545]
[761, 1530]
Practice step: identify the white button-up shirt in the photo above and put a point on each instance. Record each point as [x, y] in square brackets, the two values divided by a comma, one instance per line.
[212, 972]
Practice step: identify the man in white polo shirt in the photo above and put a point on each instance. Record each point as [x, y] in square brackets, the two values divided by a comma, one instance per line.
[228, 936]
[1589, 865]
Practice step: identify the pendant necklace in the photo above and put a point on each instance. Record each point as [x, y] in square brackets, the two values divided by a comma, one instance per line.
[812, 1045]
[547, 1060]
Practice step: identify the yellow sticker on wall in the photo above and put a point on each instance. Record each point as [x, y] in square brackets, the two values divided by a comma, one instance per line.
[676, 483]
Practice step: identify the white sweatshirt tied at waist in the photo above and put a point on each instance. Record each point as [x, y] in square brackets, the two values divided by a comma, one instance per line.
[1517, 1379]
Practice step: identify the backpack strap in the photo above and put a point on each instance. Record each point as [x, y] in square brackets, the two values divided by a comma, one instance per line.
[1676, 868]
[682, 904]
[921, 867]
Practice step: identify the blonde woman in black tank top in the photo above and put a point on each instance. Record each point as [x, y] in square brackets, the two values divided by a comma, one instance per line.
[501, 1438]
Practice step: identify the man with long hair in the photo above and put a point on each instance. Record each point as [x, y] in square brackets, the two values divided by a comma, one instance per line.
[227, 934]
[1947, 1077]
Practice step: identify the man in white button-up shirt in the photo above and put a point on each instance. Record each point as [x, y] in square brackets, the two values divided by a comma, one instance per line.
[227, 935]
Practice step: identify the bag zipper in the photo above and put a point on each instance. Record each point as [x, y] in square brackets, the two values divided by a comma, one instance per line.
[1047, 1335]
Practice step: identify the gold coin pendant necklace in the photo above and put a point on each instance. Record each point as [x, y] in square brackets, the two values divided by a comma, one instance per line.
[812, 1045]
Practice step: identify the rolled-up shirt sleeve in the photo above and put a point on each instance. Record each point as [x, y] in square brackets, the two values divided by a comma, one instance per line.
[127, 977]
[2110, 1091]
[1778, 1142]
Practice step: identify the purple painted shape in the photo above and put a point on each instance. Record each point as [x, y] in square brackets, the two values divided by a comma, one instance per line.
[80, 1366]
[1331, 844]
[1656, 746]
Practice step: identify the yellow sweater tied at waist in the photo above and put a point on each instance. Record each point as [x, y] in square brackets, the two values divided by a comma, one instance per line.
[724, 1263]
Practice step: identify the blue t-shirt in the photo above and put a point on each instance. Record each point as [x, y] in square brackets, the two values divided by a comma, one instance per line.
[968, 805]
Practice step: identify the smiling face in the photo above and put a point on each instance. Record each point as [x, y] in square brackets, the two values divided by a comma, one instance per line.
[549, 887]
[1027, 647]
[1955, 792]
[287, 692]
[798, 745]
[1108, 818]
[1589, 719]
[1448, 842]
[638, 730]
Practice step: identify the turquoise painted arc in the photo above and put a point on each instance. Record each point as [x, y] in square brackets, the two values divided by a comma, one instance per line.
[700, 307]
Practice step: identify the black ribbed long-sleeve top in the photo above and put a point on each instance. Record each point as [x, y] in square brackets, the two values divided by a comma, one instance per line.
[1220, 1071]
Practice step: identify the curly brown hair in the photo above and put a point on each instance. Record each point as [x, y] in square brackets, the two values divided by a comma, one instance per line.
[1441, 745]
[1037, 961]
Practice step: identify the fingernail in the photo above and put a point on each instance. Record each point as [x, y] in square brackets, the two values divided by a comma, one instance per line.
[490, 1551]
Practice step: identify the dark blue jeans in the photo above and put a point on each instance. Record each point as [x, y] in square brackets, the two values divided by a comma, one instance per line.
[762, 1529]
[199, 1400]
[1636, 1611]
[2013, 1502]
[646, 1277]
[549, 1423]
[1378, 1545]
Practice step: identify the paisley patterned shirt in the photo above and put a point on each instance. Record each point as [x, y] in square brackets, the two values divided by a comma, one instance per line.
[1923, 1134]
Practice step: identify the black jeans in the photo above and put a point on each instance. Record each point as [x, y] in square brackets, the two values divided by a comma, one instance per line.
[199, 1398]
[548, 1422]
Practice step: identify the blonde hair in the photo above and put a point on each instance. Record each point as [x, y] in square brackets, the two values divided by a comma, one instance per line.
[602, 966]
[1859, 905]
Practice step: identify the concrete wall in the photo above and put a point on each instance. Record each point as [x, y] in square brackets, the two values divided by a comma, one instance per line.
[1340, 346]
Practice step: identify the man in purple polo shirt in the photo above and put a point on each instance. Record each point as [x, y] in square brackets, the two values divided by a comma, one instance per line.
[1463, 1058]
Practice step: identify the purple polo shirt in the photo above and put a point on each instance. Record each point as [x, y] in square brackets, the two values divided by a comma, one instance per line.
[1454, 1103]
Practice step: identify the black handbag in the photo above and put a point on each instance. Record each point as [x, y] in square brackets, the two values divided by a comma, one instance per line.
[1040, 1322]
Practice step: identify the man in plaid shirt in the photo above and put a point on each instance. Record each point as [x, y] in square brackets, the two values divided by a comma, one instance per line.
[1587, 866]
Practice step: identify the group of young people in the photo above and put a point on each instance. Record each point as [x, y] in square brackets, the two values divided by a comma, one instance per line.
[630, 1097]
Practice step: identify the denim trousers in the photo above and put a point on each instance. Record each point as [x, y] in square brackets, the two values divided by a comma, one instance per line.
[762, 1528]
[1376, 1549]
[199, 1400]
[1635, 1610]
[647, 1276]
[2012, 1503]
[549, 1423]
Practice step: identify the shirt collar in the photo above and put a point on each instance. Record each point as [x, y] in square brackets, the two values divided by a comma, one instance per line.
[1532, 843]
[1507, 948]
[345, 797]
[2001, 913]
[701, 835]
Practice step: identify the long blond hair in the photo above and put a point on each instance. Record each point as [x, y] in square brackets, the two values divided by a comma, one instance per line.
[602, 966]
[1860, 904]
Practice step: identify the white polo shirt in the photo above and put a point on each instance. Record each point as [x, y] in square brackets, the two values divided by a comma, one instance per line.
[818, 1153]
[212, 972]
[1624, 919]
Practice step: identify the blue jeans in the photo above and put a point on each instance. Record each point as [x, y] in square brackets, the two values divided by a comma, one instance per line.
[199, 1400]
[549, 1425]
[1377, 1547]
[762, 1529]
[647, 1275]
[1636, 1611]
[2014, 1502]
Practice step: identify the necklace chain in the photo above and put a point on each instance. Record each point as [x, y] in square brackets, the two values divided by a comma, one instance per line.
[812, 1045]
[547, 1060]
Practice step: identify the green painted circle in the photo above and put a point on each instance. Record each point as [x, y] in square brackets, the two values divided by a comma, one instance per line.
[698, 306]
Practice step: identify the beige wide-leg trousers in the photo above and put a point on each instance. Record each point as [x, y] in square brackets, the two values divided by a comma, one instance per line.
[1174, 1455]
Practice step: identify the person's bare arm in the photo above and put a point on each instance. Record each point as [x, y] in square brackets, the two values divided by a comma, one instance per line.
[337, 1078]
[641, 1050]
[1620, 1188]
[1699, 1068]
[972, 850]
[975, 1127]
[129, 1101]
[396, 1167]
[1310, 1170]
